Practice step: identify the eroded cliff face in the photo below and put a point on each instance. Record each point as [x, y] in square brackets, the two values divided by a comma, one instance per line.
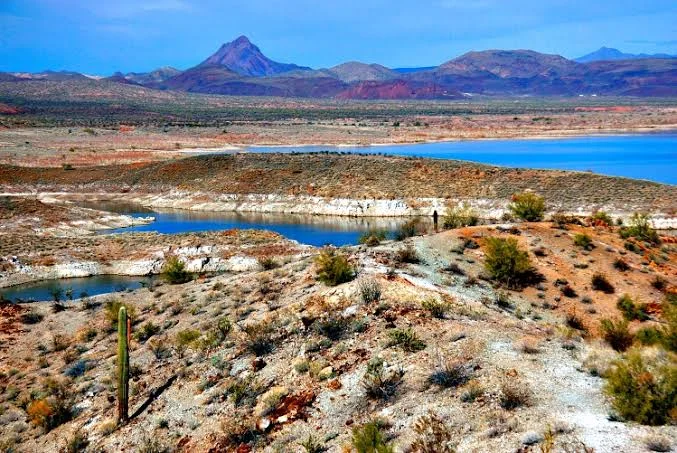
[486, 208]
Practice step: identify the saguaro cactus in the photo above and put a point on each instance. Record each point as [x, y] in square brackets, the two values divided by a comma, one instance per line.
[123, 366]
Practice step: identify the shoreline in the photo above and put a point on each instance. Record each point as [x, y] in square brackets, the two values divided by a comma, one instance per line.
[557, 135]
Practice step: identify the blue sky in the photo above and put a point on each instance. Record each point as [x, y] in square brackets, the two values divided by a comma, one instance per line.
[103, 36]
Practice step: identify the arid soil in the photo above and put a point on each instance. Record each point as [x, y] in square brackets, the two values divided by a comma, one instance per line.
[311, 380]
[82, 146]
[365, 179]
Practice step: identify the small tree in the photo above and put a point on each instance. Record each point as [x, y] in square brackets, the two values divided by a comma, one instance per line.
[333, 267]
[640, 228]
[174, 271]
[460, 216]
[507, 263]
[528, 206]
[643, 389]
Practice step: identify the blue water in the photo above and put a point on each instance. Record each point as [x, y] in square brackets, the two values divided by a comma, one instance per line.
[311, 230]
[80, 287]
[644, 156]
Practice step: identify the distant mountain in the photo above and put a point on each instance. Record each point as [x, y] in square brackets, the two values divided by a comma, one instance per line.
[157, 76]
[398, 89]
[610, 54]
[119, 77]
[244, 58]
[510, 63]
[354, 71]
[239, 68]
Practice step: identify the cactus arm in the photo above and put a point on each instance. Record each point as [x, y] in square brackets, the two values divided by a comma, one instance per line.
[123, 366]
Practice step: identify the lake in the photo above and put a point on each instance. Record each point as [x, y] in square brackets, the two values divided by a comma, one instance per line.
[642, 156]
[45, 290]
[307, 229]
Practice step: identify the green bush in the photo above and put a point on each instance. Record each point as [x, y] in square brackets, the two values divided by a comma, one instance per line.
[184, 339]
[436, 308]
[632, 310]
[174, 271]
[409, 229]
[378, 384]
[460, 216]
[407, 254]
[373, 237]
[369, 439]
[616, 333]
[112, 311]
[507, 263]
[600, 283]
[333, 267]
[583, 241]
[267, 263]
[528, 206]
[370, 290]
[640, 229]
[602, 217]
[644, 389]
[407, 339]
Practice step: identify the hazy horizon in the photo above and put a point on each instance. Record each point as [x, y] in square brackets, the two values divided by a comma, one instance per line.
[142, 35]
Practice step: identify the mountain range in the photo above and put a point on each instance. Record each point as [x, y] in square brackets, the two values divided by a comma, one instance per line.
[608, 54]
[240, 68]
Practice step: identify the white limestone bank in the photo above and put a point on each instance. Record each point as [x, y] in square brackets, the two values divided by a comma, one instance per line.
[197, 259]
[304, 204]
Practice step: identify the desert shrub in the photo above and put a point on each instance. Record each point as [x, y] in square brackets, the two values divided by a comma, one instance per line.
[369, 439]
[575, 322]
[373, 237]
[640, 229]
[621, 265]
[437, 309]
[460, 216]
[562, 220]
[55, 408]
[659, 283]
[451, 373]
[407, 339]
[333, 267]
[259, 337]
[332, 327]
[602, 217]
[528, 206]
[146, 331]
[267, 263]
[583, 240]
[159, 348]
[664, 334]
[77, 443]
[409, 229]
[632, 310]
[472, 391]
[379, 384]
[370, 290]
[643, 389]
[507, 263]
[112, 311]
[407, 254]
[185, 339]
[223, 327]
[174, 271]
[244, 391]
[503, 300]
[568, 291]
[514, 394]
[31, 317]
[601, 283]
[649, 336]
[432, 436]
[151, 444]
[310, 445]
[77, 369]
[658, 443]
[616, 333]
